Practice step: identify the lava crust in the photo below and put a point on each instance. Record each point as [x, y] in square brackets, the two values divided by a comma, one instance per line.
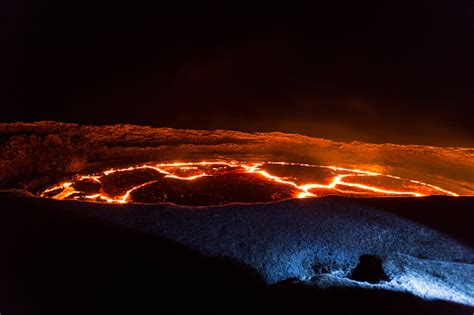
[214, 183]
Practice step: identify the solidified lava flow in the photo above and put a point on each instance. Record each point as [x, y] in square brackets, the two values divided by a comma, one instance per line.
[223, 182]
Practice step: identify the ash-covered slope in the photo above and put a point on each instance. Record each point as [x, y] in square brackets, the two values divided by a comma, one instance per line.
[65, 257]
[318, 241]
[37, 154]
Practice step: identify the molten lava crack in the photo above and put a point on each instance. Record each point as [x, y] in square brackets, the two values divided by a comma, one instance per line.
[223, 182]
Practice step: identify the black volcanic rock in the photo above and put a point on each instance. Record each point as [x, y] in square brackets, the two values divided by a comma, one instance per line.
[369, 269]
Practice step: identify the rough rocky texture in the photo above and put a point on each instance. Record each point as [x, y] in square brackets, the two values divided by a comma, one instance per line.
[59, 257]
[34, 154]
[283, 240]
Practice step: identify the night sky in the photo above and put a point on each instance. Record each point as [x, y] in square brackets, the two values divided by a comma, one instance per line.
[382, 71]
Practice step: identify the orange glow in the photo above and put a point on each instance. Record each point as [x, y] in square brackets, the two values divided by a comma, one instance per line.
[341, 181]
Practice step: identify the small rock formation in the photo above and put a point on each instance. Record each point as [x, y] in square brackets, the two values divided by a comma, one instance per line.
[369, 269]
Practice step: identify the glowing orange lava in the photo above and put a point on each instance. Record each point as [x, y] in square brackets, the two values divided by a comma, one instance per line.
[220, 182]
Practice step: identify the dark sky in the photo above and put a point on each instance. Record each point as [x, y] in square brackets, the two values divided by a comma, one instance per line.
[381, 71]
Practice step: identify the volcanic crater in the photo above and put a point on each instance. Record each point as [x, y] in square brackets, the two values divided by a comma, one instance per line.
[126, 163]
[225, 193]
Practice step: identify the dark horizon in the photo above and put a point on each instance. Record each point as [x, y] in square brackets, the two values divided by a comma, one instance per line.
[377, 72]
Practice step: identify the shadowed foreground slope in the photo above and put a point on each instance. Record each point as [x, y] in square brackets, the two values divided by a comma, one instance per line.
[59, 259]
